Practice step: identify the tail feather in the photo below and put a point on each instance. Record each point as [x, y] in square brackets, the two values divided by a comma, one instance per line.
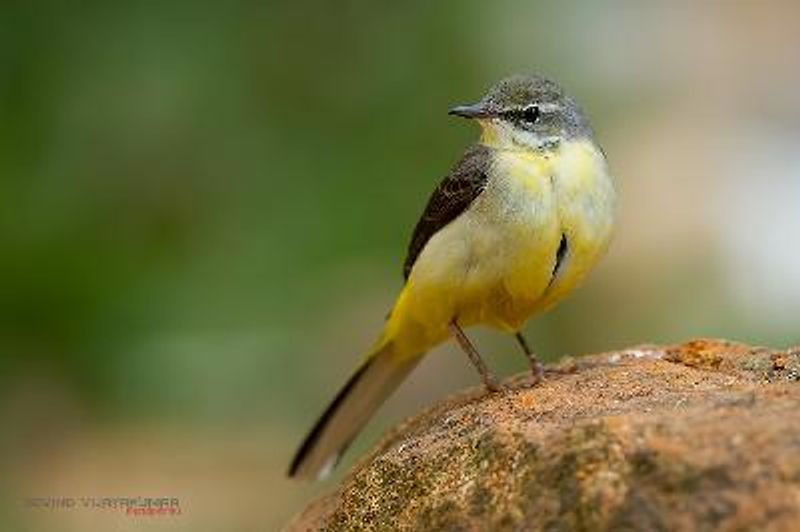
[349, 411]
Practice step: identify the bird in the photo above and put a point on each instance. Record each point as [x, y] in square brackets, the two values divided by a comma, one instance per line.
[514, 227]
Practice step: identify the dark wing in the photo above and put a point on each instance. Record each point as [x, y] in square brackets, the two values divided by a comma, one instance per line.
[452, 197]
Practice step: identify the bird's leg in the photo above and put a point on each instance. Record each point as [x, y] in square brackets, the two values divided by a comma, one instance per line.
[536, 366]
[486, 376]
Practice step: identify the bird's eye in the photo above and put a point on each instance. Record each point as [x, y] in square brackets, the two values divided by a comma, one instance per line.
[530, 114]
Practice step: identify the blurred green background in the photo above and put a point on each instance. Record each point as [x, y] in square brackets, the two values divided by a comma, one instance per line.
[204, 209]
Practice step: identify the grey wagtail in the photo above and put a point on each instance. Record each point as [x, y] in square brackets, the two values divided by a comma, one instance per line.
[514, 227]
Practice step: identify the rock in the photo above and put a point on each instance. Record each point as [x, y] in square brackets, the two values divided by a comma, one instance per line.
[699, 436]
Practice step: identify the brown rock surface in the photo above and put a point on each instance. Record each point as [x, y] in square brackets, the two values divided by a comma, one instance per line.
[699, 436]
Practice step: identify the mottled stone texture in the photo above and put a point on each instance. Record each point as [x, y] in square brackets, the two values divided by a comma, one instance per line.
[699, 436]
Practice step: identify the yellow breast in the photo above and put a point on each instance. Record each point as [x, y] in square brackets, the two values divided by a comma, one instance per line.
[536, 199]
[585, 200]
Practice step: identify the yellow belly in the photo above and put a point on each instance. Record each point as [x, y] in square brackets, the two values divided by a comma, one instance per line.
[494, 264]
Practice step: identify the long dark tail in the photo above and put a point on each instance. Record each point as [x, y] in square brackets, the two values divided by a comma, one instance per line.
[350, 410]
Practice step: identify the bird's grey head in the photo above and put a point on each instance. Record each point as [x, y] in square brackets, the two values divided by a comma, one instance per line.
[527, 112]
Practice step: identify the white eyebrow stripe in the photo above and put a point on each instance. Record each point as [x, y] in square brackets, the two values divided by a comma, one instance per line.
[549, 107]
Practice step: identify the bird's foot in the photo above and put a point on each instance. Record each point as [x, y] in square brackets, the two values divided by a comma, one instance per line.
[537, 372]
[492, 385]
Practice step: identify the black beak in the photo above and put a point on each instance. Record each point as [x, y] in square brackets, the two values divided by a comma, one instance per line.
[476, 110]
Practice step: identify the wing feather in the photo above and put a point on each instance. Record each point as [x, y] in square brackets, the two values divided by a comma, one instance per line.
[454, 194]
